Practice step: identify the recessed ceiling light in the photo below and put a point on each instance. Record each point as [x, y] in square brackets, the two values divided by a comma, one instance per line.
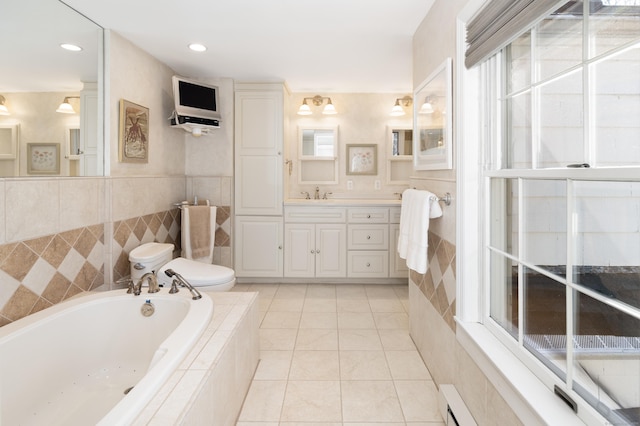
[71, 47]
[197, 47]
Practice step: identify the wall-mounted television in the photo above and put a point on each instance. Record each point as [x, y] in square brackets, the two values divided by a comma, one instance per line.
[196, 103]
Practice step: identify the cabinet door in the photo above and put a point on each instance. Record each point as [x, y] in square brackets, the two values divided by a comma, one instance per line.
[331, 244]
[258, 246]
[259, 140]
[299, 249]
[397, 266]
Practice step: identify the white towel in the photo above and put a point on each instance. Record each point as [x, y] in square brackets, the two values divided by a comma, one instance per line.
[415, 213]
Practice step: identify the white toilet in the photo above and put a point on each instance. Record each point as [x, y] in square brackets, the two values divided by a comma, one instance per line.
[200, 273]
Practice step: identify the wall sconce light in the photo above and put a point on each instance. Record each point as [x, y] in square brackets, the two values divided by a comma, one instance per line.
[3, 108]
[65, 107]
[426, 107]
[317, 100]
[398, 108]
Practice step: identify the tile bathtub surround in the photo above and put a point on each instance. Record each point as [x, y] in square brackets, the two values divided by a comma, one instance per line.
[337, 355]
[438, 284]
[163, 227]
[208, 388]
[41, 272]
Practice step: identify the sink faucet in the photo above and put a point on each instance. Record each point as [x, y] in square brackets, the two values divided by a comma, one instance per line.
[306, 195]
[184, 283]
[153, 284]
[316, 195]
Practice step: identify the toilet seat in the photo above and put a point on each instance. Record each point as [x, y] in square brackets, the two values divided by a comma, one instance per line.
[198, 274]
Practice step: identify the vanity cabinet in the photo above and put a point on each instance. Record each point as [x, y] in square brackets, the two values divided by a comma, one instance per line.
[315, 242]
[368, 243]
[258, 246]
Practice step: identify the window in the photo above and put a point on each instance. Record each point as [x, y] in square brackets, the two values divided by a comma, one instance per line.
[562, 175]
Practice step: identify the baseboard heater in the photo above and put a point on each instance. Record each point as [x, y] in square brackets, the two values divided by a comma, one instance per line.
[452, 408]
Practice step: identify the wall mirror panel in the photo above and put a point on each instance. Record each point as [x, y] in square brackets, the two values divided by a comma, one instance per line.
[317, 159]
[400, 154]
[38, 74]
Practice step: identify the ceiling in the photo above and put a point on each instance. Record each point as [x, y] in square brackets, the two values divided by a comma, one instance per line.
[315, 46]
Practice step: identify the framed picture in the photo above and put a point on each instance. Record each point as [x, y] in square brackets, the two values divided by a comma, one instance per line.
[362, 159]
[134, 133]
[432, 124]
[43, 158]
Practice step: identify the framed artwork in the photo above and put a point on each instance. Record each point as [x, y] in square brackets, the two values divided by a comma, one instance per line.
[43, 158]
[432, 124]
[362, 159]
[133, 138]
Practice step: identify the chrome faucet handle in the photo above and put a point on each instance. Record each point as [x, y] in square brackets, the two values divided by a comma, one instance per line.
[316, 195]
[307, 196]
[128, 281]
[324, 197]
[174, 287]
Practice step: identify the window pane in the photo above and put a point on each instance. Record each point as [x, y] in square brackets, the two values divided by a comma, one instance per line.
[616, 113]
[518, 139]
[607, 359]
[518, 63]
[561, 139]
[545, 225]
[607, 253]
[558, 43]
[612, 24]
[504, 293]
[504, 211]
[545, 322]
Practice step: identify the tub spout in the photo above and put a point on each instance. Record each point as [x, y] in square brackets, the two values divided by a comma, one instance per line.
[153, 284]
[184, 283]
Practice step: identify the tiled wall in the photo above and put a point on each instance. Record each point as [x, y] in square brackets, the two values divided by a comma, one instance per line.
[41, 272]
[438, 284]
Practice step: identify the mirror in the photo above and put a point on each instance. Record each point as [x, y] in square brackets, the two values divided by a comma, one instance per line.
[38, 74]
[400, 148]
[401, 141]
[432, 111]
[318, 142]
[317, 155]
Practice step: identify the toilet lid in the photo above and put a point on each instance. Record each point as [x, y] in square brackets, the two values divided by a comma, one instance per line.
[198, 274]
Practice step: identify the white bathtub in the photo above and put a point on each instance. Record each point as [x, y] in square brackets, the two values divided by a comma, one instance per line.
[71, 364]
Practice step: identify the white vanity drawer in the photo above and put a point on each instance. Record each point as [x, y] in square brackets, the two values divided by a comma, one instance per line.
[315, 215]
[368, 237]
[368, 264]
[368, 215]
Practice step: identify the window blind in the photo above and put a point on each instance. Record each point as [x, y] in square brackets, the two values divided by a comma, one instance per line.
[500, 22]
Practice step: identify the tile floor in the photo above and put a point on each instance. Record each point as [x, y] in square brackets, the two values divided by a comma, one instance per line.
[337, 355]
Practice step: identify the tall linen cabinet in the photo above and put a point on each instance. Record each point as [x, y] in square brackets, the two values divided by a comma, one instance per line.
[260, 128]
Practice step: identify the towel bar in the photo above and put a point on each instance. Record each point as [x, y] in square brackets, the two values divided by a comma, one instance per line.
[446, 199]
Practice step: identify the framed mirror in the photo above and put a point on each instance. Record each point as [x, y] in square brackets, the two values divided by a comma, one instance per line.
[399, 154]
[432, 124]
[317, 155]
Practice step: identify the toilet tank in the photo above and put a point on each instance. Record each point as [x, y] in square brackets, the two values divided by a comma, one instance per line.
[149, 257]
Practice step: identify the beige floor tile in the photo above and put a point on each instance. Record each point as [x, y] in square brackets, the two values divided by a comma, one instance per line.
[273, 365]
[319, 320]
[359, 339]
[384, 305]
[391, 320]
[370, 401]
[407, 365]
[291, 291]
[351, 291]
[277, 339]
[286, 305]
[314, 339]
[419, 400]
[315, 365]
[263, 402]
[396, 340]
[281, 320]
[353, 305]
[363, 365]
[356, 320]
[320, 305]
[321, 291]
[312, 401]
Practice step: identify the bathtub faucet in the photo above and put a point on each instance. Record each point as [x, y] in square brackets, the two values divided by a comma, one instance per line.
[184, 283]
[153, 284]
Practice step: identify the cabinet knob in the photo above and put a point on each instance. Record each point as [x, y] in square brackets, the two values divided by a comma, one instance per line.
[368, 237]
[317, 251]
[313, 251]
[368, 264]
[368, 216]
[279, 247]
